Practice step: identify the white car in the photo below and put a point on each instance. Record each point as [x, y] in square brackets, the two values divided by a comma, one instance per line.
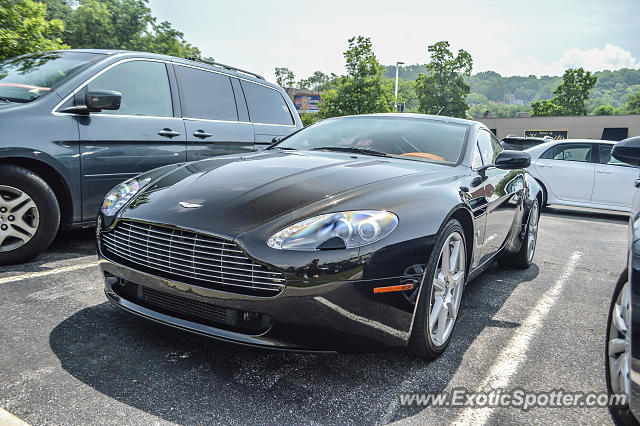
[582, 173]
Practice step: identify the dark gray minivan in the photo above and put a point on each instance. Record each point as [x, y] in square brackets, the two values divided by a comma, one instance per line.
[75, 123]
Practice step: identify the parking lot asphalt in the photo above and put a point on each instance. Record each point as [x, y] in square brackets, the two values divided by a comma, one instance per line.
[69, 357]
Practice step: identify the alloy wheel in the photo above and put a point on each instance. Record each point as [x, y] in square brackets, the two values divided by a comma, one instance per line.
[532, 231]
[619, 347]
[19, 218]
[446, 291]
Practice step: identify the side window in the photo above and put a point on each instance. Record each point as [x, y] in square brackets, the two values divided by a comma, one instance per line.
[266, 105]
[605, 155]
[144, 86]
[206, 95]
[476, 163]
[548, 154]
[573, 152]
[486, 147]
[497, 148]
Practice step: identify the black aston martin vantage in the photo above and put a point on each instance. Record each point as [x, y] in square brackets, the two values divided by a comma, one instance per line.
[354, 233]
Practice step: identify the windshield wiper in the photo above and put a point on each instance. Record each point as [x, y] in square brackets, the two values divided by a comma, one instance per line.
[5, 99]
[357, 150]
[284, 148]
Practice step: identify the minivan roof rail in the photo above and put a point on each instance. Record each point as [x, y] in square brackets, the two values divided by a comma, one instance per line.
[228, 67]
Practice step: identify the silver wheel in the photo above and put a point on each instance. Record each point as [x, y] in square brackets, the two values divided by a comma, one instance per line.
[446, 291]
[532, 231]
[19, 218]
[619, 347]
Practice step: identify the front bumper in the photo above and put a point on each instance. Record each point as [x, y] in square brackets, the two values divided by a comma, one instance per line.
[315, 316]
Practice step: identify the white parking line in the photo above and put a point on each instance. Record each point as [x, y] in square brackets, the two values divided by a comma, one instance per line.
[514, 353]
[8, 419]
[29, 275]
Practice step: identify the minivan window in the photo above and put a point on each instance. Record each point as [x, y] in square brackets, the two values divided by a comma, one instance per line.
[266, 105]
[206, 95]
[27, 77]
[144, 86]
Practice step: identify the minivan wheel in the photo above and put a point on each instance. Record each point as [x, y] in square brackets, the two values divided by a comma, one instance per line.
[29, 214]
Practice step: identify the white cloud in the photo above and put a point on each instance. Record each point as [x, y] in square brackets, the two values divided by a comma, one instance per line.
[608, 58]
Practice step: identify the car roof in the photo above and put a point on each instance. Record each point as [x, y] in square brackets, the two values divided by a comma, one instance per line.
[421, 116]
[217, 67]
[544, 146]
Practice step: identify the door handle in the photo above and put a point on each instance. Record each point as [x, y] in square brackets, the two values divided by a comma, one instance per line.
[604, 172]
[545, 166]
[168, 133]
[202, 134]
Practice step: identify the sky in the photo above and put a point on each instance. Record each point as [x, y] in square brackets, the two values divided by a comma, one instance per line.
[511, 37]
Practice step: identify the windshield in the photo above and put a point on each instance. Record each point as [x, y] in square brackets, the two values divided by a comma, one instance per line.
[27, 77]
[409, 138]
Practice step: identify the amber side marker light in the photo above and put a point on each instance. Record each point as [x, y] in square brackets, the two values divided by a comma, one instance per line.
[393, 288]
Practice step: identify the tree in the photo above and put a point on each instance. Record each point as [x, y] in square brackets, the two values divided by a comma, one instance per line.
[284, 77]
[603, 110]
[364, 89]
[442, 90]
[574, 90]
[570, 97]
[633, 104]
[24, 28]
[318, 81]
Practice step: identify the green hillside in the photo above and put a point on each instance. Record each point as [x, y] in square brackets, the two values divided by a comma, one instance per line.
[506, 95]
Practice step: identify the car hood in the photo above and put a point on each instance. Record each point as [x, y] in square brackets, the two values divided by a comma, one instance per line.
[229, 195]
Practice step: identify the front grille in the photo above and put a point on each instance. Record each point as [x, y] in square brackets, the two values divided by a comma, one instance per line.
[189, 257]
[194, 310]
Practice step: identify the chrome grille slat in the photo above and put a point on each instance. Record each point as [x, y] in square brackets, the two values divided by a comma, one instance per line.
[147, 241]
[202, 266]
[202, 259]
[259, 286]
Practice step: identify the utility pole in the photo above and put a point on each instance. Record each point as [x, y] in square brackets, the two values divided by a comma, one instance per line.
[396, 98]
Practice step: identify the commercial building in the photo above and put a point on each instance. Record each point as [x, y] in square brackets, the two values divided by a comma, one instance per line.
[607, 127]
[305, 101]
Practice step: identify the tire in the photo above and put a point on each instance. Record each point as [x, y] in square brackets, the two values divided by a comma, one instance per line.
[621, 413]
[523, 258]
[29, 214]
[424, 342]
[545, 197]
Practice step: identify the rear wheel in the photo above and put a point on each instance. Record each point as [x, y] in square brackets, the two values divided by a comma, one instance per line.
[440, 295]
[29, 214]
[523, 258]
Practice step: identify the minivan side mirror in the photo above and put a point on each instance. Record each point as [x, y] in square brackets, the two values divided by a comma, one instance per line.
[98, 100]
[627, 151]
[509, 160]
[85, 102]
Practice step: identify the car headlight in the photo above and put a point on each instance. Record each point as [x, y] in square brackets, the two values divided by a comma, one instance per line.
[354, 228]
[118, 196]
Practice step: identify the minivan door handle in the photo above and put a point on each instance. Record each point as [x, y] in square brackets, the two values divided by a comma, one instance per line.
[168, 133]
[202, 134]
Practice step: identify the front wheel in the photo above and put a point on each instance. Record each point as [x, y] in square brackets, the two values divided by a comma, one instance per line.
[440, 295]
[29, 214]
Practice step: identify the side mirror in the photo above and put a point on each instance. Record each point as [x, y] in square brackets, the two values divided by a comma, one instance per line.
[509, 160]
[627, 151]
[99, 100]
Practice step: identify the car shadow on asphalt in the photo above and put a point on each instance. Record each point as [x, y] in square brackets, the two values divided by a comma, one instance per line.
[586, 214]
[67, 246]
[185, 378]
